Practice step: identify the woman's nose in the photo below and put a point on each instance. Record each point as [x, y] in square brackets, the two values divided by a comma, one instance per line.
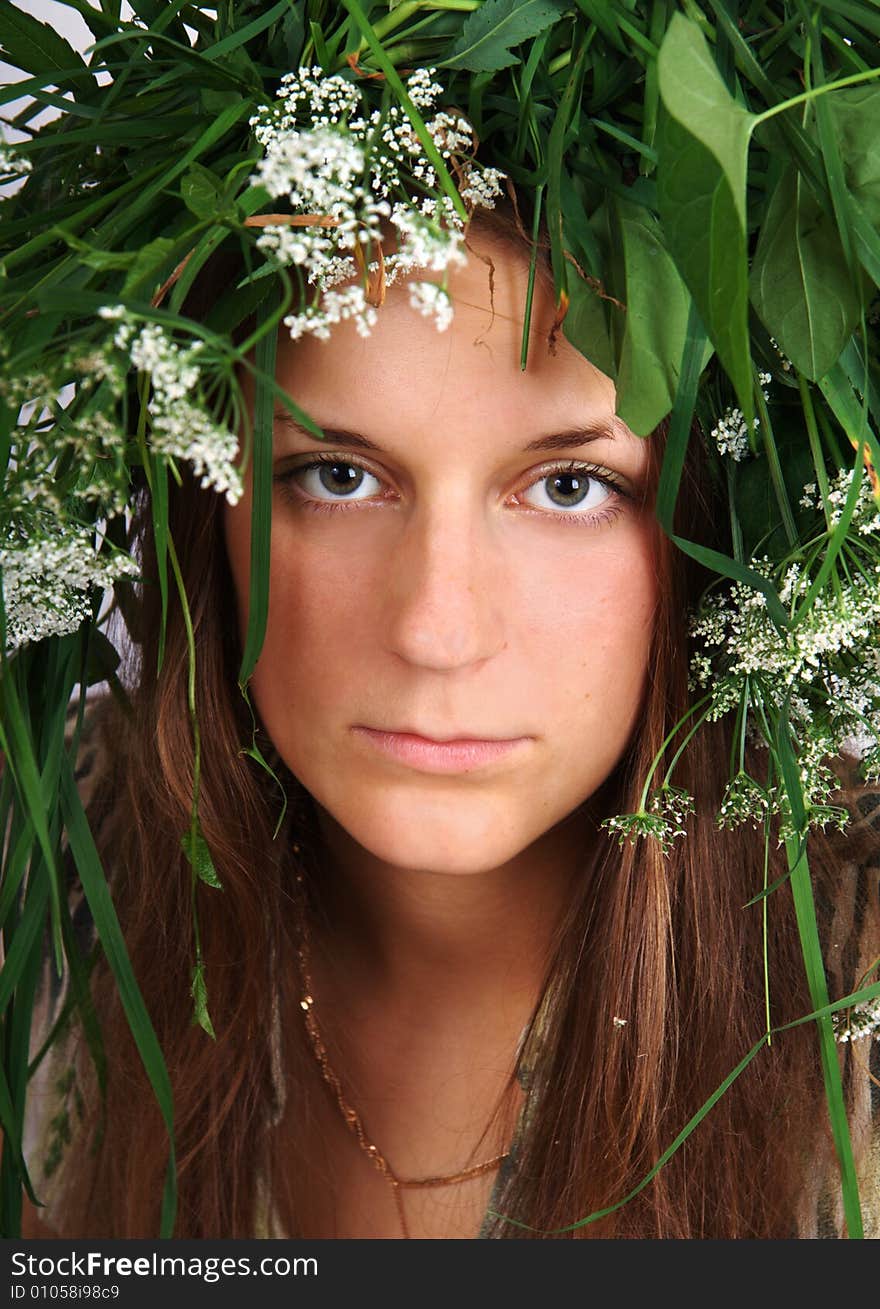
[445, 599]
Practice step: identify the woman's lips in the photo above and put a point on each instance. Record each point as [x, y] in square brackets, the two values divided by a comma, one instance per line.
[430, 756]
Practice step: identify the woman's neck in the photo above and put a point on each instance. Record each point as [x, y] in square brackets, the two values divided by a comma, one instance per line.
[431, 940]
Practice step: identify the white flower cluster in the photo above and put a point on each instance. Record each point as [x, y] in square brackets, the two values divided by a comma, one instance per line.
[826, 666]
[863, 1022]
[181, 428]
[866, 518]
[731, 434]
[664, 818]
[47, 577]
[326, 159]
[744, 801]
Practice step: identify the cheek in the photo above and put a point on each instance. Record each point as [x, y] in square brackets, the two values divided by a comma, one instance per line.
[323, 606]
[596, 607]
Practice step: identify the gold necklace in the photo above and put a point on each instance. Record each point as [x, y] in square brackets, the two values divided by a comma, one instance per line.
[350, 1115]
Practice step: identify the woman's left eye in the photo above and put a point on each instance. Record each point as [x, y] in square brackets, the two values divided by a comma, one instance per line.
[576, 488]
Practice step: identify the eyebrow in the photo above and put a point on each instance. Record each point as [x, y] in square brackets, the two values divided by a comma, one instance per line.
[569, 439]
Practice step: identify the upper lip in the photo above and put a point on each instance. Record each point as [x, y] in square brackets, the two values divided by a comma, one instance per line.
[443, 738]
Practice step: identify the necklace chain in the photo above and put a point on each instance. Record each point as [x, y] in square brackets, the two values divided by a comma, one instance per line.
[350, 1115]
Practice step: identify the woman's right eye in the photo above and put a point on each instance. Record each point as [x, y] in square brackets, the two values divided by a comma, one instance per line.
[327, 479]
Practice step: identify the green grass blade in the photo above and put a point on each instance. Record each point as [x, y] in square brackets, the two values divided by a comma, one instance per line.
[261, 507]
[18, 748]
[805, 912]
[97, 894]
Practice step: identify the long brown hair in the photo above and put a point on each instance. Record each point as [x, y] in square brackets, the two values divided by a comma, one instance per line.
[662, 942]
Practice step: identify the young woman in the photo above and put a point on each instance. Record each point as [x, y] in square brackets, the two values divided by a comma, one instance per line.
[447, 1002]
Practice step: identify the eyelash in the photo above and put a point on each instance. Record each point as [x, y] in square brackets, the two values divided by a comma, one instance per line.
[604, 514]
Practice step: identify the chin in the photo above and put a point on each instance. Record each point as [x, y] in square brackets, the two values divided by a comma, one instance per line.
[447, 836]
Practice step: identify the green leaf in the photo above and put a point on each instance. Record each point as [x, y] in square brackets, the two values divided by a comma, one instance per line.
[655, 323]
[261, 482]
[489, 32]
[199, 993]
[856, 115]
[584, 325]
[195, 847]
[800, 282]
[36, 47]
[805, 912]
[97, 895]
[701, 191]
[152, 264]
[681, 420]
[201, 191]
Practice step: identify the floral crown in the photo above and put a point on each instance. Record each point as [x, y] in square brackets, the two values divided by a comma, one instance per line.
[709, 187]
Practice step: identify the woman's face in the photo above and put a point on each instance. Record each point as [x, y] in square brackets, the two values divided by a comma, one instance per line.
[471, 563]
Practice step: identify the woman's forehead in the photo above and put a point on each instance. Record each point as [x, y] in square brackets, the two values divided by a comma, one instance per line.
[408, 372]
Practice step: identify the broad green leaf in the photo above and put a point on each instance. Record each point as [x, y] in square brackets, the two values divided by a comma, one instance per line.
[701, 191]
[201, 191]
[655, 323]
[681, 420]
[856, 115]
[708, 242]
[695, 95]
[800, 283]
[195, 847]
[584, 325]
[153, 263]
[488, 33]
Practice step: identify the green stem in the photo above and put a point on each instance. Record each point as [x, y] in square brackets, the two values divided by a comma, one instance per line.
[681, 749]
[524, 349]
[776, 474]
[815, 445]
[805, 96]
[659, 755]
[398, 16]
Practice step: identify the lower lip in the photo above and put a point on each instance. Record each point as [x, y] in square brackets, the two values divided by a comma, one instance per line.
[436, 756]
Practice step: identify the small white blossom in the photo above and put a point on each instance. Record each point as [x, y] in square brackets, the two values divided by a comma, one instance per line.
[731, 435]
[429, 298]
